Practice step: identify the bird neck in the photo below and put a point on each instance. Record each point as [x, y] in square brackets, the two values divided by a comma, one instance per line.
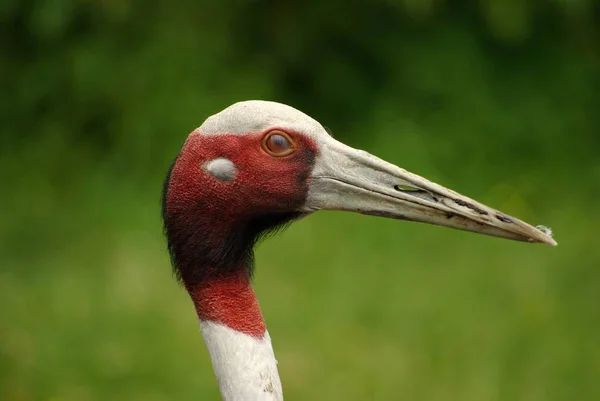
[236, 337]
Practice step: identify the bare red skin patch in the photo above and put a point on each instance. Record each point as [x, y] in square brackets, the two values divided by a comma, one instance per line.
[212, 225]
[230, 301]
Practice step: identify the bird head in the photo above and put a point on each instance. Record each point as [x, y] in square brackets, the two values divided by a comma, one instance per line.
[257, 165]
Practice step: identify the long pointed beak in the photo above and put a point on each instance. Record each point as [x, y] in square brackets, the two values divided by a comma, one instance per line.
[348, 179]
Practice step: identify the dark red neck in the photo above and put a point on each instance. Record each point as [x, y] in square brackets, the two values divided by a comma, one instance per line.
[229, 300]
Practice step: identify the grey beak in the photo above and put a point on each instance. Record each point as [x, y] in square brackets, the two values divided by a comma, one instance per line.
[348, 179]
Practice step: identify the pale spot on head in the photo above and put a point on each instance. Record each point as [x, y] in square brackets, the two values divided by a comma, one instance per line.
[221, 168]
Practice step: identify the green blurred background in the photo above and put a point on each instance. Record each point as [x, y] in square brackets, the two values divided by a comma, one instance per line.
[497, 99]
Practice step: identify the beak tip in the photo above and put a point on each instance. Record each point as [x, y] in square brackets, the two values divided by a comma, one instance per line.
[549, 241]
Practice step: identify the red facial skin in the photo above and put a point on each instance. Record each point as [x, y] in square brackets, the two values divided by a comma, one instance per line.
[211, 225]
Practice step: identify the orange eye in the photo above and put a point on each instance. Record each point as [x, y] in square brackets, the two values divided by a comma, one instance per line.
[278, 143]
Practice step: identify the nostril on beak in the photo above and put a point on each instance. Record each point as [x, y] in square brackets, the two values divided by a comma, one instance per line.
[407, 188]
[418, 192]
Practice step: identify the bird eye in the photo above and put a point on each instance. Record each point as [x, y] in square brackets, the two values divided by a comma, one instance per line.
[278, 143]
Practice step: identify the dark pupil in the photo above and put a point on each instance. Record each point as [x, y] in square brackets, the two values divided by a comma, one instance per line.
[279, 143]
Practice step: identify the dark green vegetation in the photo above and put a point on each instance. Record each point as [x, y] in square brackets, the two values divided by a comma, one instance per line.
[498, 101]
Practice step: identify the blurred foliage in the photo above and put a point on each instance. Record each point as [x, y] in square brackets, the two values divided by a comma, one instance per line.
[497, 98]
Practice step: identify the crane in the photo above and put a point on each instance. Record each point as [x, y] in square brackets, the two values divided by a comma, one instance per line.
[255, 167]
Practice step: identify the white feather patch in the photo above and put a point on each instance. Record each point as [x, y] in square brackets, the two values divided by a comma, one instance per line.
[245, 366]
